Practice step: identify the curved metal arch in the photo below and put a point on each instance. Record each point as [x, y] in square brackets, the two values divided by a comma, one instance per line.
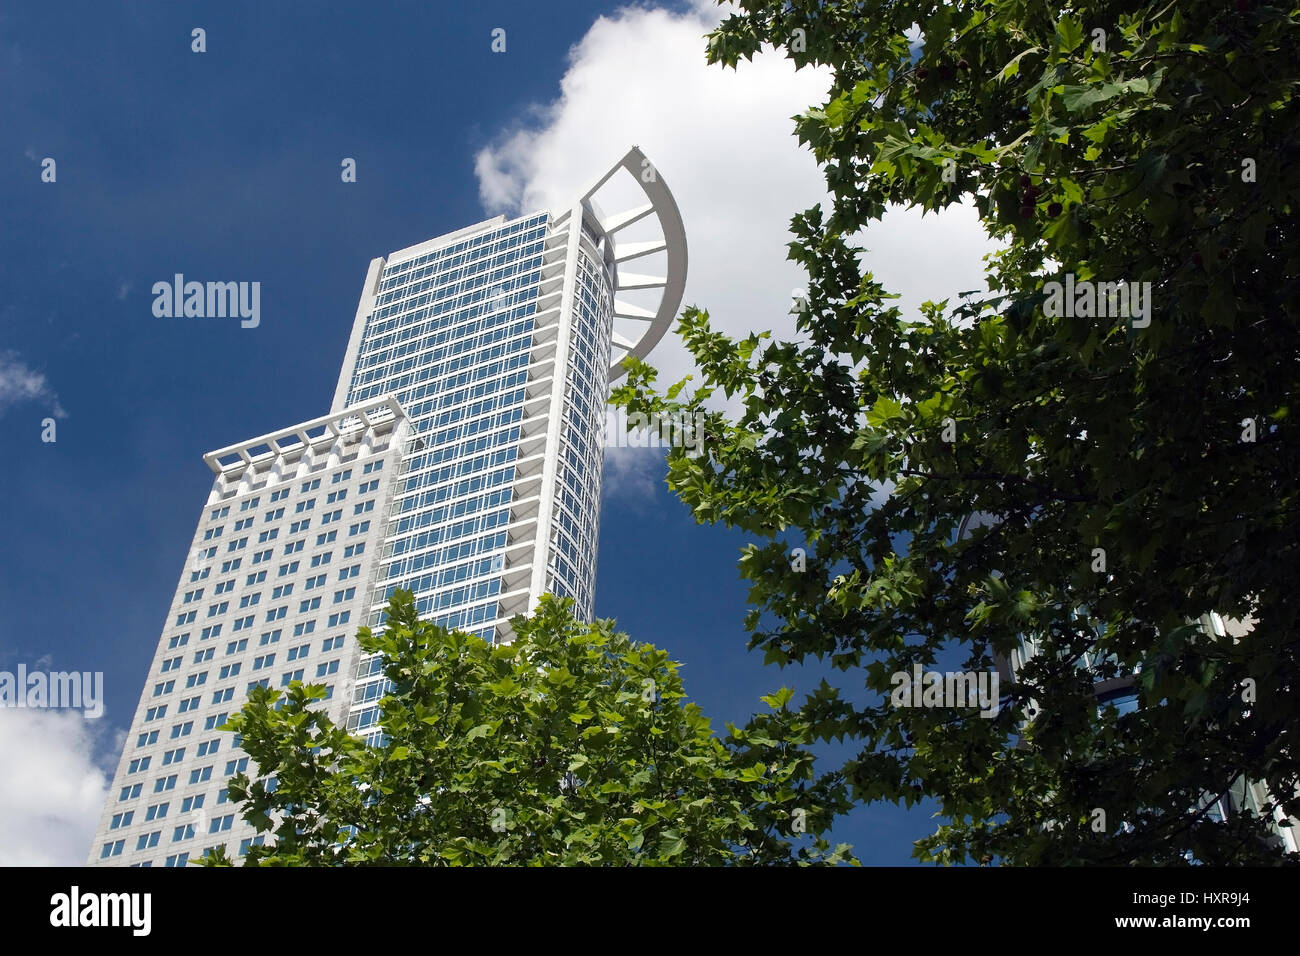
[663, 207]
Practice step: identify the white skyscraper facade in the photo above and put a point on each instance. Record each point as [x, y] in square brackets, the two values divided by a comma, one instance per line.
[461, 459]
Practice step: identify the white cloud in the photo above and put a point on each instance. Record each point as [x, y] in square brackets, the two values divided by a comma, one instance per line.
[722, 140]
[20, 383]
[632, 474]
[51, 791]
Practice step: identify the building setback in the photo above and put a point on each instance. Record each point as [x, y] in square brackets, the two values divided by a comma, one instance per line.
[461, 459]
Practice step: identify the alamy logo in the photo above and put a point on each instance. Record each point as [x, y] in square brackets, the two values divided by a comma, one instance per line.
[954, 689]
[208, 300]
[70, 689]
[1101, 300]
[636, 430]
[102, 909]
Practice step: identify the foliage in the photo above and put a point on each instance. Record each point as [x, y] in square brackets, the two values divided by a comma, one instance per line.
[1129, 474]
[571, 745]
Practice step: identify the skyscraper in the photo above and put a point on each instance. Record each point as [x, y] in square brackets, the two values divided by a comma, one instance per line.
[461, 459]
[1118, 688]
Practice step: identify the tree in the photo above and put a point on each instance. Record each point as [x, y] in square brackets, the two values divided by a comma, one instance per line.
[572, 745]
[1128, 449]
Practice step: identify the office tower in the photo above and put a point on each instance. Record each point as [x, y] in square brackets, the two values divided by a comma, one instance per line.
[1121, 692]
[461, 459]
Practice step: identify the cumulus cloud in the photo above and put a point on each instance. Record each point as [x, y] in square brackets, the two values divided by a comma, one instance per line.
[51, 791]
[19, 383]
[723, 142]
[631, 474]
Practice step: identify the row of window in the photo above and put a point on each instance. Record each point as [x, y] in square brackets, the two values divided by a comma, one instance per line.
[249, 600]
[487, 265]
[257, 577]
[180, 859]
[186, 831]
[271, 534]
[429, 395]
[439, 333]
[197, 775]
[251, 504]
[296, 547]
[456, 370]
[509, 235]
[431, 380]
[227, 693]
[259, 662]
[260, 557]
[237, 646]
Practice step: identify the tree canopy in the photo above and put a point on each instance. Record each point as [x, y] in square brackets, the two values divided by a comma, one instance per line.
[572, 745]
[1115, 408]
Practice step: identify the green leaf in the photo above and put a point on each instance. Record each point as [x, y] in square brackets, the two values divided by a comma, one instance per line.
[884, 411]
[779, 699]
[1069, 34]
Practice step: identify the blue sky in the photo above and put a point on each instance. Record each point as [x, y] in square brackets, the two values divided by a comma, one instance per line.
[225, 165]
